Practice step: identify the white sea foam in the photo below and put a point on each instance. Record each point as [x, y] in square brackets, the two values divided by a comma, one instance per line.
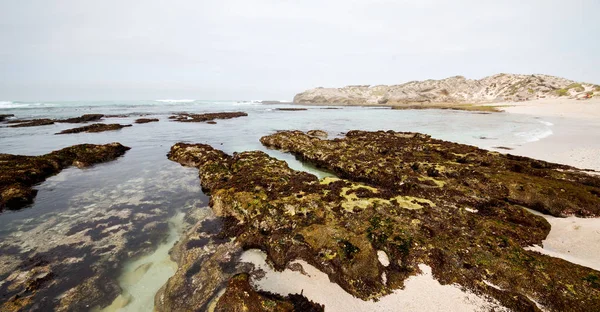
[547, 123]
[535, 135]
[9, 104]
[176, 101]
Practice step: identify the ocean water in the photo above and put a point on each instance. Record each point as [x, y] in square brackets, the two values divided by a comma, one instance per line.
[149, 194]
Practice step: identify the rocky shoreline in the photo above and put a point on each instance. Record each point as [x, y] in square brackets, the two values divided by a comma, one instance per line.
[455, 208]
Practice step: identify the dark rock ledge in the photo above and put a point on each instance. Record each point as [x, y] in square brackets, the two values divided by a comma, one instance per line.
[19, 173]
[454, 207]
[187, 117]
[5, 116]
[145, 120]
[94, 128]
[20, 123]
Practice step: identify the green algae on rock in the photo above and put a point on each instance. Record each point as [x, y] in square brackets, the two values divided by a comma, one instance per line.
[403, 160]
[468, 235]
[19, 173]
[94, 128]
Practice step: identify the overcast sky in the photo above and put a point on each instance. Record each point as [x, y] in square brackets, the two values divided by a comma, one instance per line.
[231, 50]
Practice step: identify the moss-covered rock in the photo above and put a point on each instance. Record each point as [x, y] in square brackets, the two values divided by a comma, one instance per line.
[19, 173]
[417, 199]
[409, 160]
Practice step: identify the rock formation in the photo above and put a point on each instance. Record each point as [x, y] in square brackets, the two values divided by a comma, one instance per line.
[454, 207]
[93, 128]
[145, 120]
[5, 116]
[186, 117]
[501, 87]
[31, 123]
[19, 173]
[83, 118]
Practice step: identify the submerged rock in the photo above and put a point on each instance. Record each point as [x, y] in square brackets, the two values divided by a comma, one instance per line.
[19, 173]
[418, 200]
[186, 117]
[73, 257]
[205, 263]
[93, 128]
[145, 120]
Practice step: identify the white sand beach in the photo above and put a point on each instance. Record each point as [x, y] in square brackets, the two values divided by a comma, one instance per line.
[576, 138]
[575, 142]
[421, 292]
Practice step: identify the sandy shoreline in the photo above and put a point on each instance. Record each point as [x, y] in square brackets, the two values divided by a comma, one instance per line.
[576, 131]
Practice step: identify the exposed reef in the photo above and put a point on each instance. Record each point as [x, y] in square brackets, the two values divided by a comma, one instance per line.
[291, 109]
[402, 160]
[31, 123]
[45, 121]
[83, 118]
[452, 207]
[145, 120]
[186, 117]
[19, 173]
[93, 128]
[5, 116]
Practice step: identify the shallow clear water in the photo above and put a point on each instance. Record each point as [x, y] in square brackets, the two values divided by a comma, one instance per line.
[145, 184]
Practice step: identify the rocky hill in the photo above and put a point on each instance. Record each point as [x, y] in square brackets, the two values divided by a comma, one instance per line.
[458, 89]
